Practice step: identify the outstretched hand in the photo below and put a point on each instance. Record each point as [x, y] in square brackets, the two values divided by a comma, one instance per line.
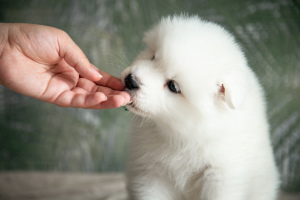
[44, 63]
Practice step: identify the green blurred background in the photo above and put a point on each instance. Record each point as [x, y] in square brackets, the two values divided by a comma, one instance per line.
[42, 137]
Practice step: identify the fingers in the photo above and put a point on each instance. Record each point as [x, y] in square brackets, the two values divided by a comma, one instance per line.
[109, 81]
[113, 101]
[79, 99]
[92, 87]
[89, 95]
[74, 56]
[91, 100]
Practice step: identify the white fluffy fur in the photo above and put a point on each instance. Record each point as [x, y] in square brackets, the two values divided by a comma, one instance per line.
[211, 142]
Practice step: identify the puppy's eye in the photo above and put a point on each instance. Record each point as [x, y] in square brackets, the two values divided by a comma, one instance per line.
[153, 57]
[173, 87]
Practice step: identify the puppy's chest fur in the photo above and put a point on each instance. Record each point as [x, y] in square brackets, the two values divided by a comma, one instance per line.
[165, 154]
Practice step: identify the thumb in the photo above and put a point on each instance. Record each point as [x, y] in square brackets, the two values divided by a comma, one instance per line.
[74, 56]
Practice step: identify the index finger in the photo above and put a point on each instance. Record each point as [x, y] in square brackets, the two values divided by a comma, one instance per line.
[108, 80]
[75, 57]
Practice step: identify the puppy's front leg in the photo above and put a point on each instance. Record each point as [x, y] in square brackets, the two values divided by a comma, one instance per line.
[151, 188]
[214, 184]
[205, 185]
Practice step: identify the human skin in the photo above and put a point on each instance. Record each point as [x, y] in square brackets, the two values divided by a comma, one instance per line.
[44, 63]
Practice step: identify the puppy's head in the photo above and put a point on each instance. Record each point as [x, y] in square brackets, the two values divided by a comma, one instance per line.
[190, 69]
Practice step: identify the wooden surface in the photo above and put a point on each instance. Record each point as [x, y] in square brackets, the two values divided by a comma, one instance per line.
[69, 186]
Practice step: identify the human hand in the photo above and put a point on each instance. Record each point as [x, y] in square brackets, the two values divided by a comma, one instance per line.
[44, 63]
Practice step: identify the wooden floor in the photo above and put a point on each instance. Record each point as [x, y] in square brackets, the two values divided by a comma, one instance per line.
[62, 186]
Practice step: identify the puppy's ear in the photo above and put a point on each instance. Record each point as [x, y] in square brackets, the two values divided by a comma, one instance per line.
[232, 90]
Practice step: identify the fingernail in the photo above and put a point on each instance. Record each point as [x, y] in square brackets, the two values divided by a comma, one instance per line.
[96, 72]
[125, 102]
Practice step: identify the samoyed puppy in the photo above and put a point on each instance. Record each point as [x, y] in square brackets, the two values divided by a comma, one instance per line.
[202, 131]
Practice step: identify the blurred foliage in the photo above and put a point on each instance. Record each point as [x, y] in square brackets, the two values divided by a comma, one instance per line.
[40, 136]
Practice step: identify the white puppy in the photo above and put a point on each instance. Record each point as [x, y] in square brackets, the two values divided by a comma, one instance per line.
[203, 133]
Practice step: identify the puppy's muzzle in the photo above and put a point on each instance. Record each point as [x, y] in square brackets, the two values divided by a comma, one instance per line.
[131, 83]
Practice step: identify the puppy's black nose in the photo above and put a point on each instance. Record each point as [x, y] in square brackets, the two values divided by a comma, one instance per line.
[131, 83]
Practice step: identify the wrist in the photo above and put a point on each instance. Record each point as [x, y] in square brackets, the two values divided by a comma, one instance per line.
[3, 36]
